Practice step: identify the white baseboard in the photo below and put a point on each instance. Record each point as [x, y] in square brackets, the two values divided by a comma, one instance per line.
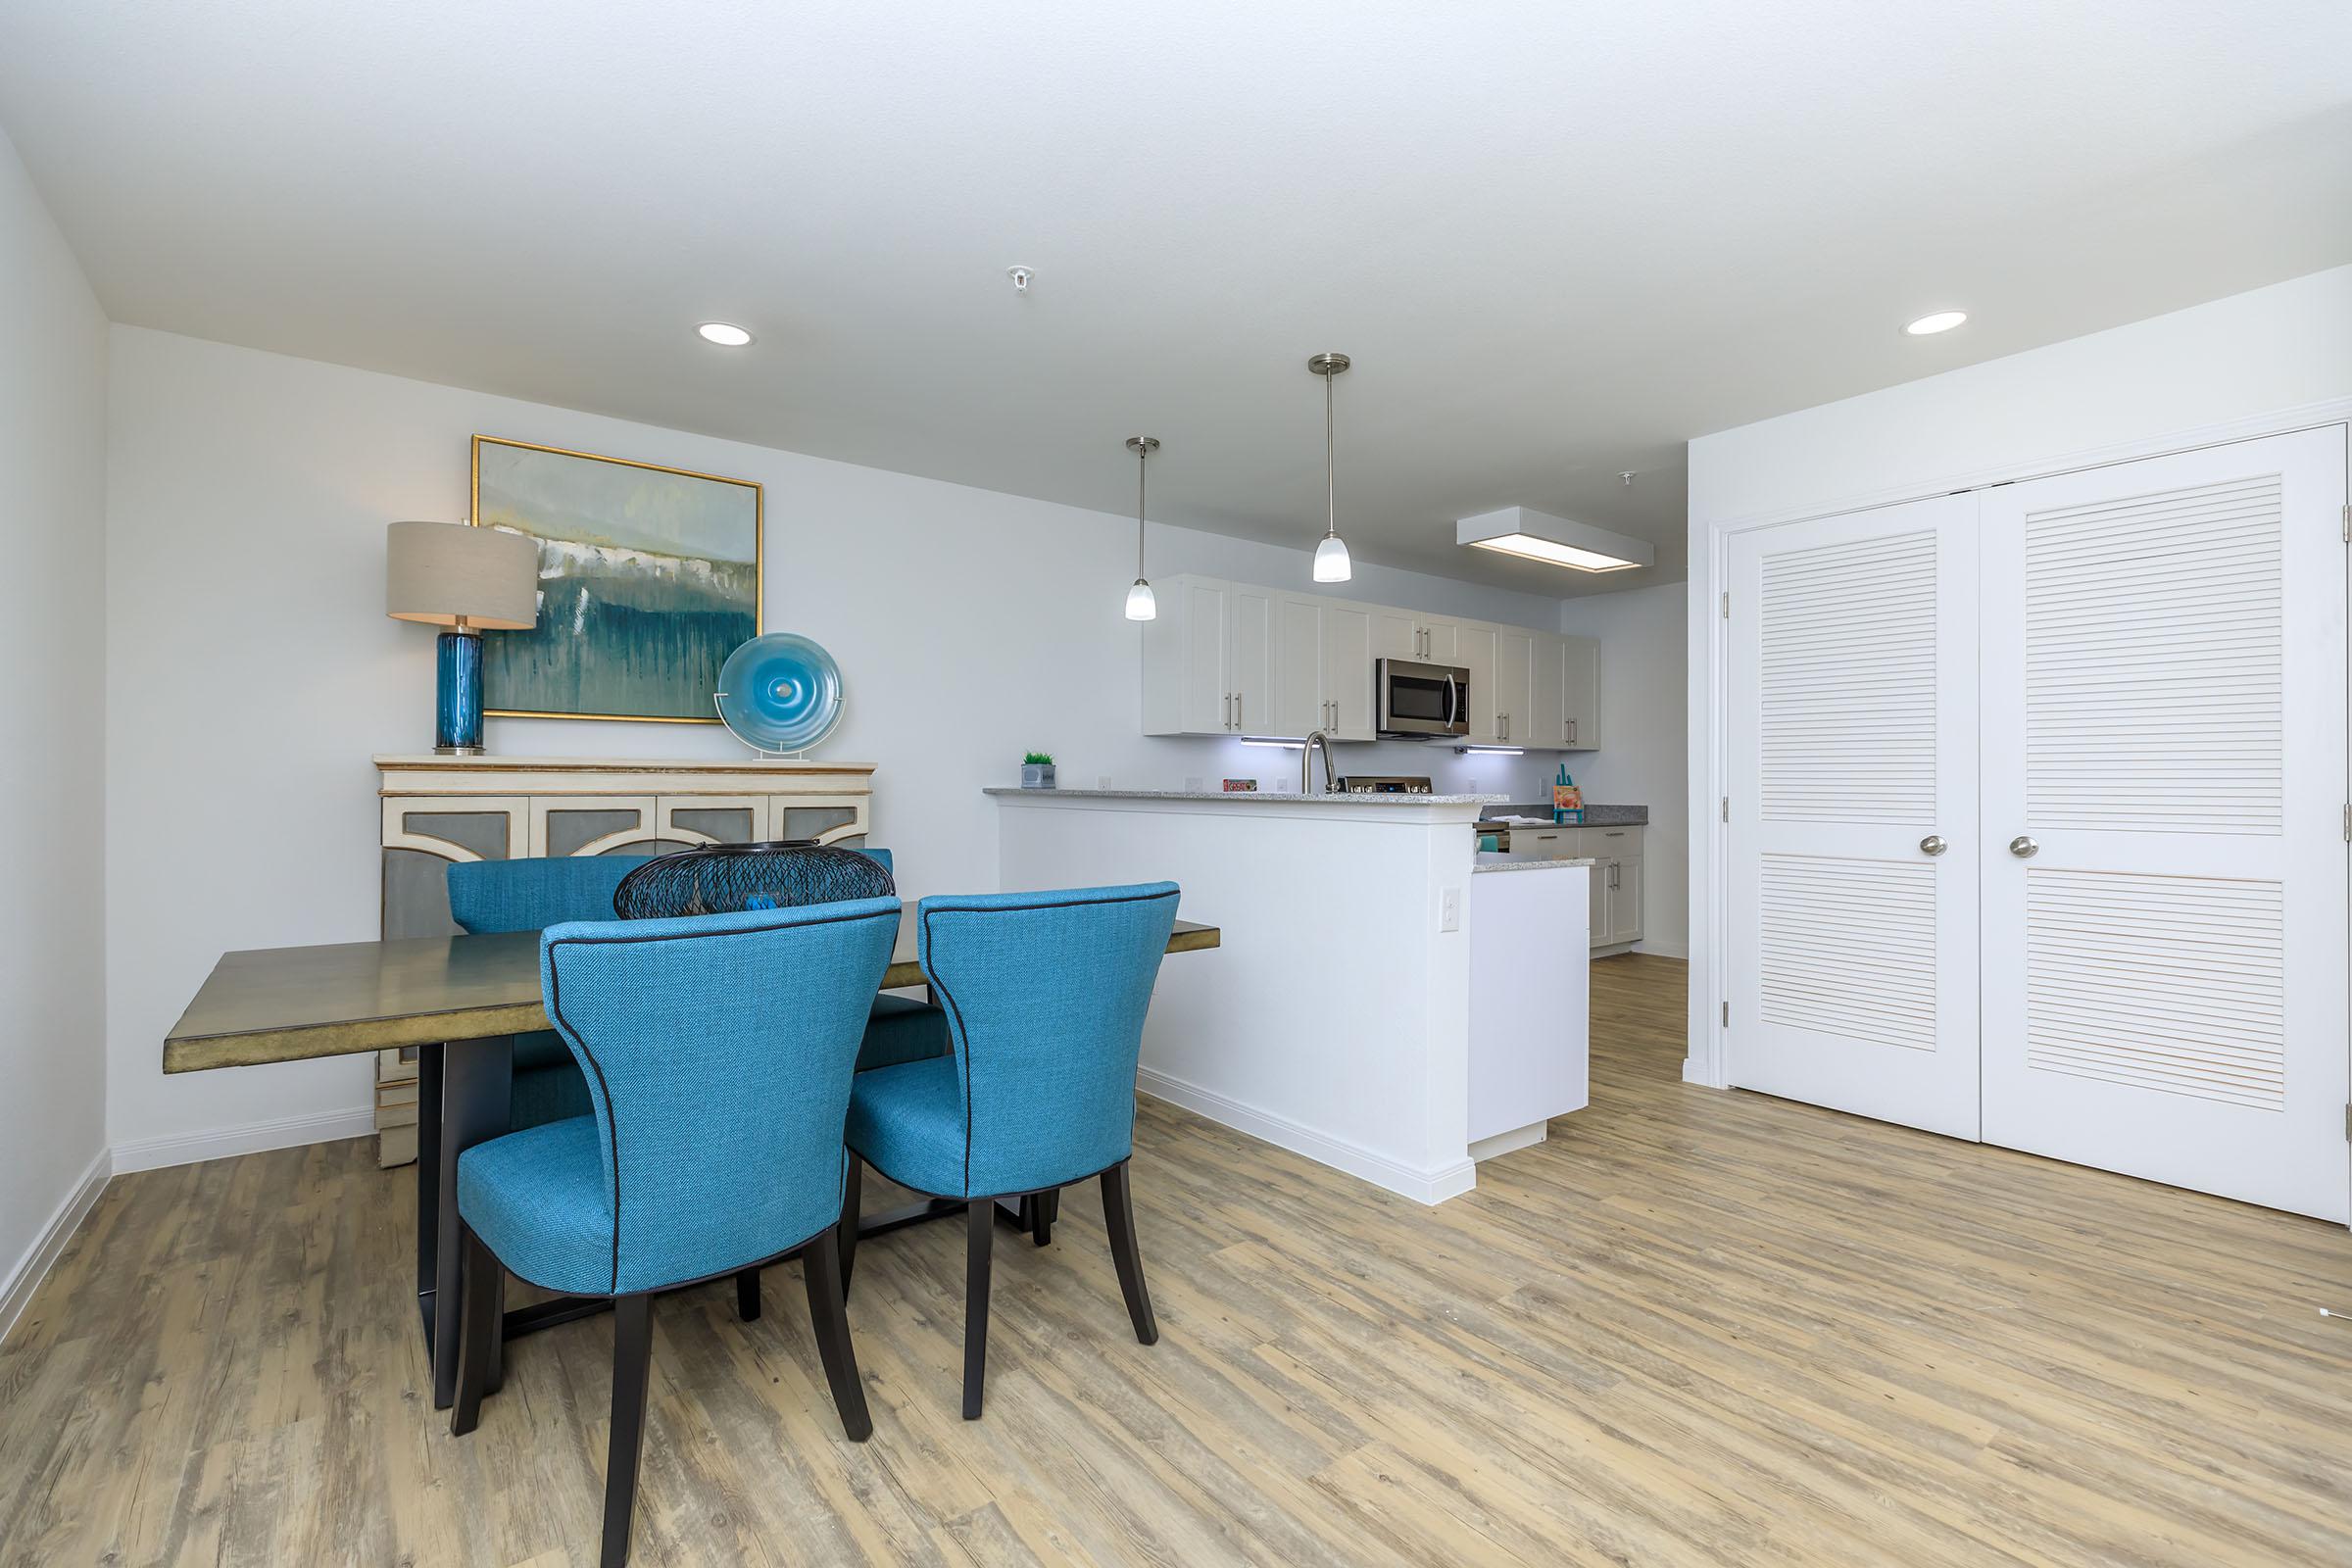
[219, 1142]
[33, 1267]
[1421, 1185]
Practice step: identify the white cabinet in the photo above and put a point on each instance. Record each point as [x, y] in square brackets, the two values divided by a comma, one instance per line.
[1547, 692]
[1322, 668]
[1347, 670]
[1299, 704]
[1516, 720]
[1579, 693]
[1529, 1012]
[1232, 659]
[1437, 640]
[1253, 658]
[1210, 659]
[1474, 649]
[1616, 884]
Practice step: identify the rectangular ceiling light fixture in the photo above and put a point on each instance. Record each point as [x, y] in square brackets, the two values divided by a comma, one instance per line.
[1554, 541]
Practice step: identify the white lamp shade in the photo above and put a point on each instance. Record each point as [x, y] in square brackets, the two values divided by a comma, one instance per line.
[440, 572]
[1140, 606]
[1330, 561]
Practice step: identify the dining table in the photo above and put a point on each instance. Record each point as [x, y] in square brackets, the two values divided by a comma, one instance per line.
[460, 1000]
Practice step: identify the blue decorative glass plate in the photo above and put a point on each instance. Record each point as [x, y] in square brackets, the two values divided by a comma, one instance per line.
[780, 693]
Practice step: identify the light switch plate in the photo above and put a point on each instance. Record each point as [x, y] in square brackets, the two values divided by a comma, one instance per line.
[1450, 908]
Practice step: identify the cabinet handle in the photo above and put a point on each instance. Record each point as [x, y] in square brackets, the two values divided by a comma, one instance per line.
[1229, 710]
[1237, 710]
[1614, 868]
[1572, 732]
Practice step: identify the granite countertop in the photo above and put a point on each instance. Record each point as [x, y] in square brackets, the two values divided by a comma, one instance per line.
[1594, 815]
[1254, 797]
[1498, 863]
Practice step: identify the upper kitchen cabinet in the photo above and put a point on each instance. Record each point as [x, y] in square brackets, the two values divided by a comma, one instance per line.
[1322, 667]
[1579, 694]
[1562, 704]
[1347, 669]
[1230, 659]
[1518, 722]
[1402, 634]
[1548, 691]
[1475, 650]
[1210, 659]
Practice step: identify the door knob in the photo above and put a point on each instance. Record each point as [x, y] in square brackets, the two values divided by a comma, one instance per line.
[1932, 844]
[2022, 847]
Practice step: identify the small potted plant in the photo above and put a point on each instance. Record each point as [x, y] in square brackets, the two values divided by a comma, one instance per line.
[1037, 771]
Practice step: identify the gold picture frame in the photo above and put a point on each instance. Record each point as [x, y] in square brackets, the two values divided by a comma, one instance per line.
[518, 663]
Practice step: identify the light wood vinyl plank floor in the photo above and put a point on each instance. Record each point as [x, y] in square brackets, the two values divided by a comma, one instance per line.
[1691, 1328]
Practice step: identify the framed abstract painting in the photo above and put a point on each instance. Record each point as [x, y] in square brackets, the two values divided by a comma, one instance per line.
[647, 578]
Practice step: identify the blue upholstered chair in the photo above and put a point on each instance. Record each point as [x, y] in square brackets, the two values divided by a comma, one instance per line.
[1045, 995]
[901, 1029]
[718, 1051]
[491, 896]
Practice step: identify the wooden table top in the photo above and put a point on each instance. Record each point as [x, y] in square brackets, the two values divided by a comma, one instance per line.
[295, 1004]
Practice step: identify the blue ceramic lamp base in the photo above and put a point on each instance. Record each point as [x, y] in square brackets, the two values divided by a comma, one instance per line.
[457, 698]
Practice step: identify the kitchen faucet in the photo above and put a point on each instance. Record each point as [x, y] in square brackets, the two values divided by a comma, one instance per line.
[1306, 762]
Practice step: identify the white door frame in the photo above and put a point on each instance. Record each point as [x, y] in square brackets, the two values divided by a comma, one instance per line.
[1710, 655]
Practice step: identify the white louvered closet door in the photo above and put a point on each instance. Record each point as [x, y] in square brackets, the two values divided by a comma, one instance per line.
[1853, 751]
[2164, 676]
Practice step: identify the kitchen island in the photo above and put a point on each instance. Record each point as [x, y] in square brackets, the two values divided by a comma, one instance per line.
[1338, 1017]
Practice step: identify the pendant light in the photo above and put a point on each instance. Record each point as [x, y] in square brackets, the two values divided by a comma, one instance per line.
[1140, 604]
[1331, 555]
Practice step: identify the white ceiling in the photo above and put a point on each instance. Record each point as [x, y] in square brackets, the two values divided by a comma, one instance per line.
[1559, 239]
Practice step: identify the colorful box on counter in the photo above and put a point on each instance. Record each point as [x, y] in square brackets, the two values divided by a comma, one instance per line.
[1568, 804]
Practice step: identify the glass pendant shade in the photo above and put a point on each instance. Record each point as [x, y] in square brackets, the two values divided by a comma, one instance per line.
[1140, 606]
[1330, 561]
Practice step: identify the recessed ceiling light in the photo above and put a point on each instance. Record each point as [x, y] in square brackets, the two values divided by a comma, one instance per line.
[724, 334]
[1554, 541]
[1941, 322]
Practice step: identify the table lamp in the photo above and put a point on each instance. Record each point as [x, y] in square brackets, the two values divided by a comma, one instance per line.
[468, 580]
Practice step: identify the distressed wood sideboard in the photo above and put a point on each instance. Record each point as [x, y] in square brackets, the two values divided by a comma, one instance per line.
[437, 809]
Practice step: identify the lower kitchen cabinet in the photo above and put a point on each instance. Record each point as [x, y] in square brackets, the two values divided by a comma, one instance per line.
[1615, 888]
[1616, 884]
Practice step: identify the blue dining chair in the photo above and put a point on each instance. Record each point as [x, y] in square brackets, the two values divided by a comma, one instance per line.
[1045, 995]
[901, 1028]
[531, 895]
[718, 1051]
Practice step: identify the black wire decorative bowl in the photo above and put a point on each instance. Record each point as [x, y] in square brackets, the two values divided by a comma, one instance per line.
[723, 878]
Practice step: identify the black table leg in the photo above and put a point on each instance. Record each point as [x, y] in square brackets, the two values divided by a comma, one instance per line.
[428, 1182]
[477, 1083]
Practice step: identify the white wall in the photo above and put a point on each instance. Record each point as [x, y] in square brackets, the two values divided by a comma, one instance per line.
[52, 737]
[1644, 759]
[2247, 365]
[252, 672]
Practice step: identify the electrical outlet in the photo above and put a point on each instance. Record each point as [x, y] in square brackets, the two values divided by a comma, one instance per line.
[1102, 781]
[1449, 909]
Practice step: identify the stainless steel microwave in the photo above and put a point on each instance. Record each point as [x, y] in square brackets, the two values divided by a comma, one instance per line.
[1420, 701]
